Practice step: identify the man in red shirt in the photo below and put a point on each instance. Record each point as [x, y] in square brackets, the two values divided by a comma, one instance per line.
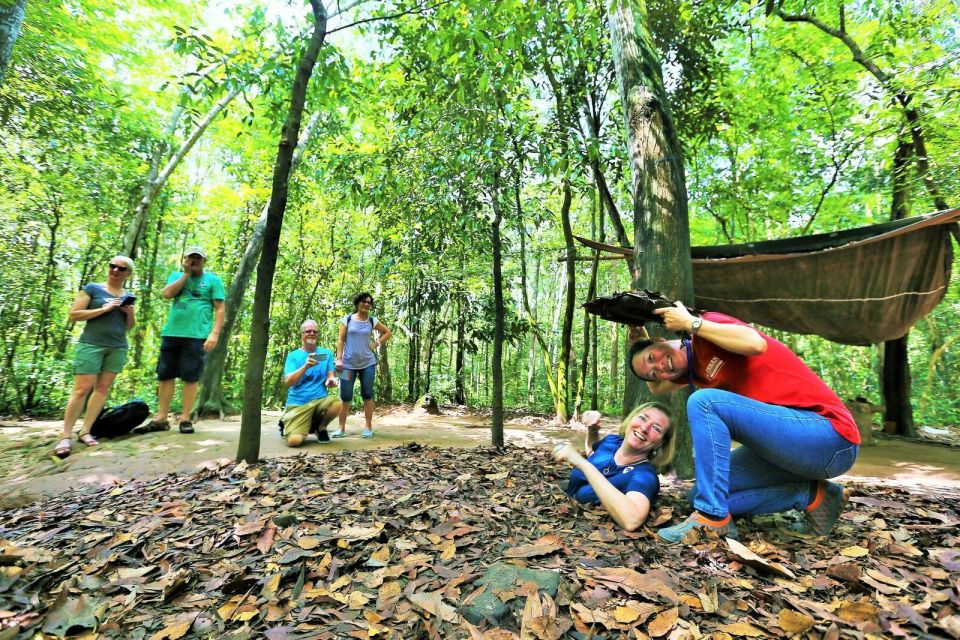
[794, 430]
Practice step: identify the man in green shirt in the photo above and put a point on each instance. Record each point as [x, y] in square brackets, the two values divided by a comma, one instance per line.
[192, 330]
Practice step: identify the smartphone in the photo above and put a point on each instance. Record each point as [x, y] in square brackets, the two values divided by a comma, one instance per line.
[128, 300]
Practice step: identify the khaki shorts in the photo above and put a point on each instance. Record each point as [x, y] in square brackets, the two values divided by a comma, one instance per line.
[92, 359]
[298, 418]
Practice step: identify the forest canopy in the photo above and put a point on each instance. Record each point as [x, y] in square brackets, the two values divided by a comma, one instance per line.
[145, 126]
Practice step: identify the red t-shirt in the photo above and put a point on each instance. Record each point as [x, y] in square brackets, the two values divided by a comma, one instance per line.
[777, 377]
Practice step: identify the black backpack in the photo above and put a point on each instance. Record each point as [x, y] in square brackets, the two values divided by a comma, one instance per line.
[120, 420]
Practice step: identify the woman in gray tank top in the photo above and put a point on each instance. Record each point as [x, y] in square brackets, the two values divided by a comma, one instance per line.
[357, 358]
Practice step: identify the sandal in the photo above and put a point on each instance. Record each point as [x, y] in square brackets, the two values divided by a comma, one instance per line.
[88, 440]
[62, 449]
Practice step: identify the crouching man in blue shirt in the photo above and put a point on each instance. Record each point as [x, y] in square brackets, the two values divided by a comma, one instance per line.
[308, 373]
[620, 471]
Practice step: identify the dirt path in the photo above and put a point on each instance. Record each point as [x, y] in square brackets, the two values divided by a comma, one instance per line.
[29, 471]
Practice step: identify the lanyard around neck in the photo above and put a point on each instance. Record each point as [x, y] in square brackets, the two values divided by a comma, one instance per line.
[689, 349]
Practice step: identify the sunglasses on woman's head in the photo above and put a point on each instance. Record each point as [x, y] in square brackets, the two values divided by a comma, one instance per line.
[119, 267]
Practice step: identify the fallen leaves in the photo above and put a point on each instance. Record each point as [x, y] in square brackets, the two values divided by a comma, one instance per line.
[392, 544]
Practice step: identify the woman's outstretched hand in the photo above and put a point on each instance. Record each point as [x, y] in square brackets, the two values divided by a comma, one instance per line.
[565, 452]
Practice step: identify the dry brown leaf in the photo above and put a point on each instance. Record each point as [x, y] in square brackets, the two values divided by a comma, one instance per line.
[744, 629]
[795, 622]
[432, 603]
[309, 542]
[357, 600]
[271, 585]
[746, 556]
[847, 571]
[173, 632]
[265, 541]
[857, 611]
[855, 551]
[663, 623]
[893, 582]
[360, 533]
[544, 546]
[631, 581]
[626, 615]
[247, 528]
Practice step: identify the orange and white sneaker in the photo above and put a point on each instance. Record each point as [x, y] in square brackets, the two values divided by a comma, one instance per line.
[828, 503]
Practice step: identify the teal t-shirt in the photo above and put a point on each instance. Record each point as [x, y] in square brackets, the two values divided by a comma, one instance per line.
[192, 313]
[108, 330]
[312, 385]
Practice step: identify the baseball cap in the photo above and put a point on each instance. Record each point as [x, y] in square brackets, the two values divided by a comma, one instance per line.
[195, 250]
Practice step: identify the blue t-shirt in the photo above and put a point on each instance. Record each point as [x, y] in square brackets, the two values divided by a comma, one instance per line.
[311, 386]
[191, 315]
[110, 329]
[640, 477]
[356, 348]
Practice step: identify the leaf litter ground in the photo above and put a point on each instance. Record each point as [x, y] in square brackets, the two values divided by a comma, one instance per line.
[392, 543]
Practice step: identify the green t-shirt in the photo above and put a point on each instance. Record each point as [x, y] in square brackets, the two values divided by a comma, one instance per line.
[192, 313]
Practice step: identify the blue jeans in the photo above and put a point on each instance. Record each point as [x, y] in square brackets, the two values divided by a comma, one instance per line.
[349, 376]
[782, 451]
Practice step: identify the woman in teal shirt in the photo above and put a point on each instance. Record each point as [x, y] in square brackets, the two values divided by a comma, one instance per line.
[107, 309]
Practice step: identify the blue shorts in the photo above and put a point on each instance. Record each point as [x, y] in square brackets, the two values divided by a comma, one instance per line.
[181, 358]
[349, 376]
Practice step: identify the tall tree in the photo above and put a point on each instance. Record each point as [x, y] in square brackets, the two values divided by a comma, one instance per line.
[496, 400]
[212, 398]
[248, 448]
[11, 18]
[661, 226]
[895, 379]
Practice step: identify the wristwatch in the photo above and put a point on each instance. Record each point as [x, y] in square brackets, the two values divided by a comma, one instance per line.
[695, 326]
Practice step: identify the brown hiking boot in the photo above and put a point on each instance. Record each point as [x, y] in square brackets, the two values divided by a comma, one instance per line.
[153, 425]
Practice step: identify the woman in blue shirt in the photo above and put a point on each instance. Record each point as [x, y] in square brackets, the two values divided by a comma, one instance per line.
[620, 471]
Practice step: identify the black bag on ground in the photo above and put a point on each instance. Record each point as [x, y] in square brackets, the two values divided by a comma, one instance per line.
[120, 420]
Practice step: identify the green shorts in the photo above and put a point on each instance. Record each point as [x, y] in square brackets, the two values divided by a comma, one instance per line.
[298, 418]
[92, 359]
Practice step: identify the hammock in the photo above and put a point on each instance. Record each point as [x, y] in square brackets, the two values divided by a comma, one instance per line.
[860, 286]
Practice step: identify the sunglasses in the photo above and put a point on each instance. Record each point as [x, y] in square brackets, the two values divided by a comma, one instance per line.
[368, 301]
[309, 331]
[119, 267]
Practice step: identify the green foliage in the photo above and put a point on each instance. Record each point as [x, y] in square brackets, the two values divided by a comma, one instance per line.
[784, 134]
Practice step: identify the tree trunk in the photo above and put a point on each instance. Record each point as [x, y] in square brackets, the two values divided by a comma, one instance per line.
[413, 350]
[156, 181]
[896, 382]
[566, 331]
[249, 445]
[460, 383]
[587, 317]
[146, 297]
[212, 399]
[11, 19]
[496, 401]
[895, 379]
[661, 225]
[383, 371]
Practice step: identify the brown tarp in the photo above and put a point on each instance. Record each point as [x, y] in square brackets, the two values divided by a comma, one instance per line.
[860, 286]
